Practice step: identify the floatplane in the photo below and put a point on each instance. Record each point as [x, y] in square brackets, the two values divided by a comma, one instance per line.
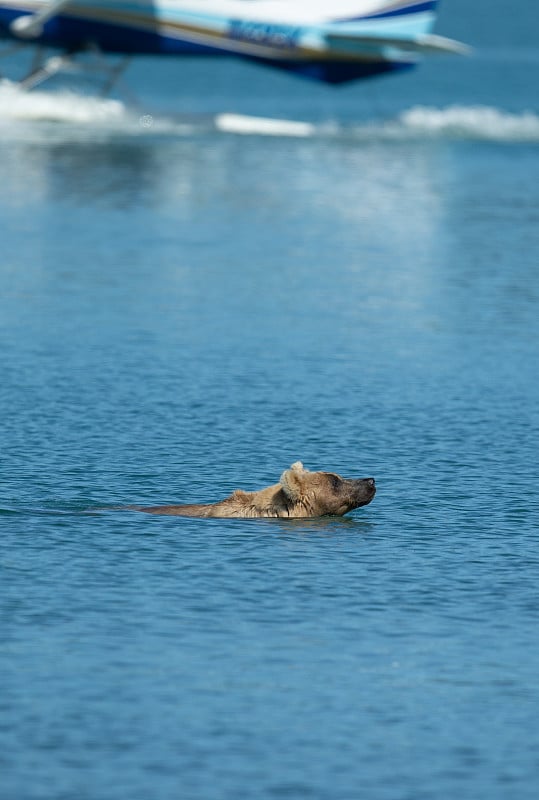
[330, 41]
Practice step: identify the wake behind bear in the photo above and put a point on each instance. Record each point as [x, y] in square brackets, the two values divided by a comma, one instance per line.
[299, 494]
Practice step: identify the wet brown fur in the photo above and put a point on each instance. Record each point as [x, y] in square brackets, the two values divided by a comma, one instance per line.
[300, 493]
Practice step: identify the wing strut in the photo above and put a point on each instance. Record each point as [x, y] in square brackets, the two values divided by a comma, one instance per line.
[44, 70]
[30, 26]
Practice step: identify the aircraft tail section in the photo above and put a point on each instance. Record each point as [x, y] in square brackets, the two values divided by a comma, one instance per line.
[390, 33]
[423, 43]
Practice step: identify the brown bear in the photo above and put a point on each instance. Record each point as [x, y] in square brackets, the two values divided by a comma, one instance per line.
[300, 493]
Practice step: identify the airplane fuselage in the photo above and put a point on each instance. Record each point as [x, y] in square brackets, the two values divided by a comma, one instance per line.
[333, 42]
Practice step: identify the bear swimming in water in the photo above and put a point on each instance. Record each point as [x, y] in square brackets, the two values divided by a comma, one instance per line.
[300, 493]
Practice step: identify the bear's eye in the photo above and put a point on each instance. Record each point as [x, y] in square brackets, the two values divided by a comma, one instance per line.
[335, 482]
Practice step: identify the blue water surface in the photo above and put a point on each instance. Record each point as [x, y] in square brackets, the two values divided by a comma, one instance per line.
[188, 306]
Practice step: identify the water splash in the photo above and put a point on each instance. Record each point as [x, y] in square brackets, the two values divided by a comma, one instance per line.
[264, 126]
[68, 115]
[475, 123]
[18, 105]
[80, 116]
[468, 122]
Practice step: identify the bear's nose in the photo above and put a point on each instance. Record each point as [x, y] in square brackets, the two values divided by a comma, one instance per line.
[371, 482]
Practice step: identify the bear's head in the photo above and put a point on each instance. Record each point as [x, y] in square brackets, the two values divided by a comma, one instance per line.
[324, 493]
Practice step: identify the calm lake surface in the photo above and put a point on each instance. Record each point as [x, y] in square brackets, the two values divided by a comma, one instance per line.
[192, 300]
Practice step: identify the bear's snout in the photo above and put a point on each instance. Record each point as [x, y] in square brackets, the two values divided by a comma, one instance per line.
[365, 483]
[365, 489]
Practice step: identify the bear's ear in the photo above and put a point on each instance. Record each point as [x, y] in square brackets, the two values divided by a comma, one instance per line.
[292, 480]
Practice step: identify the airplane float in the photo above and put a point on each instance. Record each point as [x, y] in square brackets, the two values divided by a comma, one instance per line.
[333, 42]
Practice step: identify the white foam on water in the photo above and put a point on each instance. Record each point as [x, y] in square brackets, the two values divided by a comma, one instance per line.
[75, 115]
[263, 126]
[465, 122]
[19, 105]
[89, 116]
[417, 123]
